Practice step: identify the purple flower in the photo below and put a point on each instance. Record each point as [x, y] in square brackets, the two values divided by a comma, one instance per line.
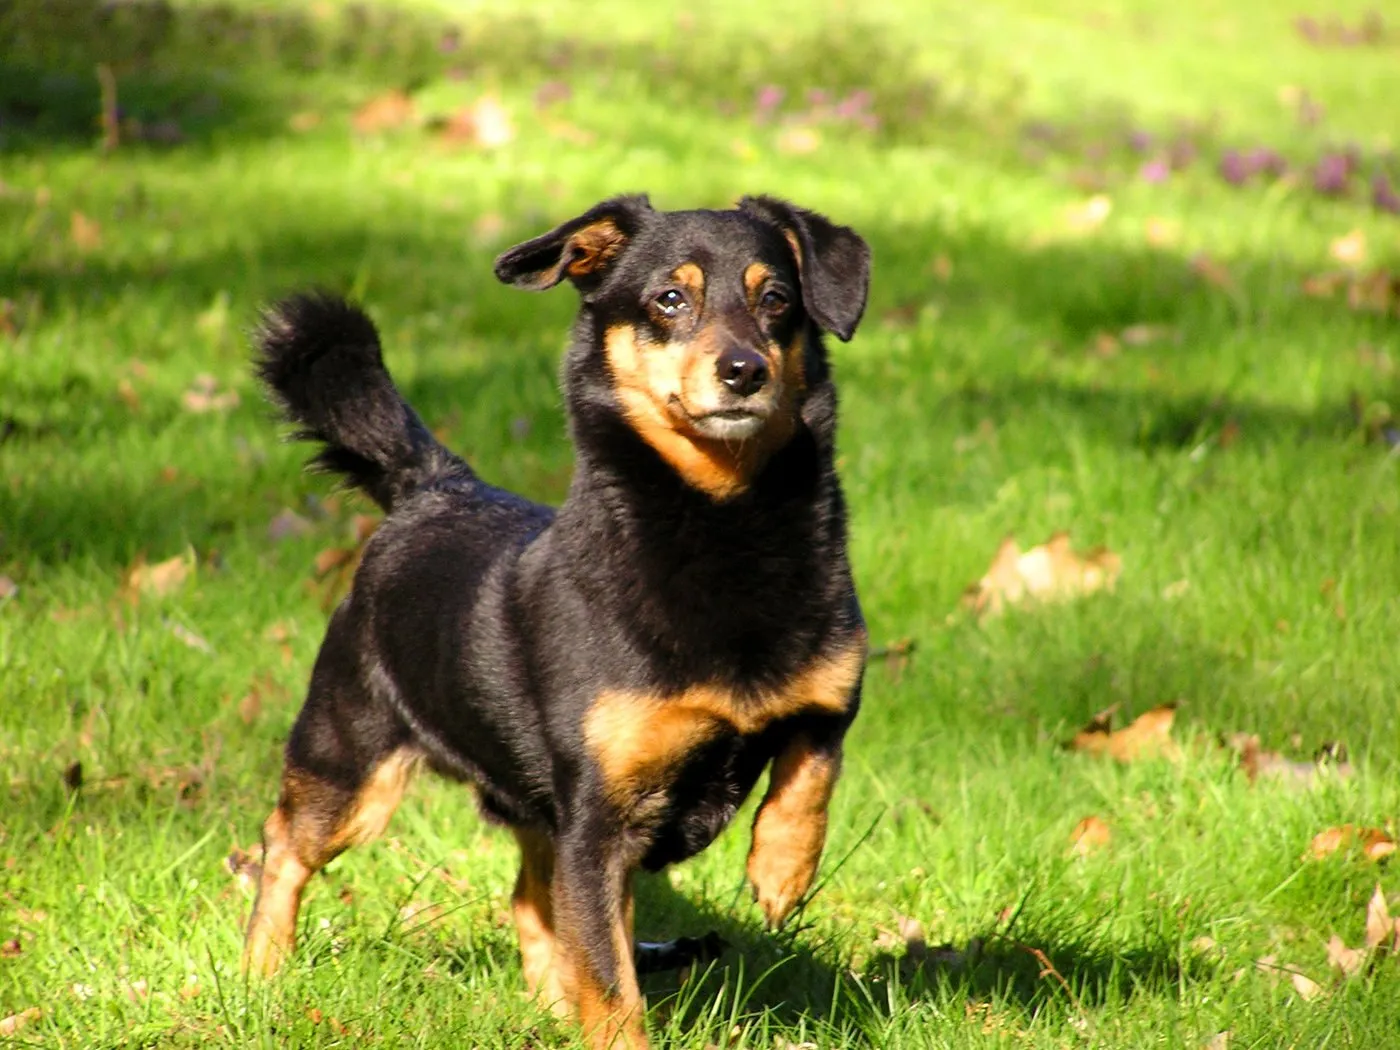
[1155, 170]
[1332, 174]
[1140, 141]
[770, 97]
[1235, 167]
[1181, 154]
[1383, 195]
[1266, 160]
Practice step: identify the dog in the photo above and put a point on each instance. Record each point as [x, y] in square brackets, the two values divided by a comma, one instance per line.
[613, 676]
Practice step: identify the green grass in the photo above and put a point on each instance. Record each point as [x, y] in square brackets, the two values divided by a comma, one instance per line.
[1229, 454]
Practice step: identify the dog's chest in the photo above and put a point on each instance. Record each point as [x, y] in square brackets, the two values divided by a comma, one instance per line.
[640, 741]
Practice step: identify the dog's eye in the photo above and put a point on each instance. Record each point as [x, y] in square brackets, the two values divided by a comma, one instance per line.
[671, 302]
[774, 302]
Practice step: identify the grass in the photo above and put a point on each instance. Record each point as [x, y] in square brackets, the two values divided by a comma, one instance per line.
[1242, 452]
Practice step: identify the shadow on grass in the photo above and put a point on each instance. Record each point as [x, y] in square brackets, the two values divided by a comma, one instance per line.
[1027, 966]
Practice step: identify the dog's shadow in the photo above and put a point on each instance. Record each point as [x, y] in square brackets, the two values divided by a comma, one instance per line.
[797, 979]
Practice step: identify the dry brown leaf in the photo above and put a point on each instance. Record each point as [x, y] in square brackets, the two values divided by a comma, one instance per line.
[393, 109]
[1323, 285]
[1090, 834]
[1349, 961]
[11, 948]
[485, 124]
[1381, 929]
[1212, 271]
[1350, 248]
[204, 395]
[1147, 736]
[15, 1021]
[8, 588]
[190, 988]
[1376, 845]
[85, 233]
[1050, 572]
[1088, 215]
[1144, 334]
[158, 580]
[1305, 986]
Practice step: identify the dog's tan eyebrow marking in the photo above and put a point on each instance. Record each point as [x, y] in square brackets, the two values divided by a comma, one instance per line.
[754, 276]
[690, 277]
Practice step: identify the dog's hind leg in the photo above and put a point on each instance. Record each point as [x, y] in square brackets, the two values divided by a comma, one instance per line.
[533, 907]
[348, 763]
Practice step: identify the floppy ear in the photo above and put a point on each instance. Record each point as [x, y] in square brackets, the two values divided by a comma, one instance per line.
[580, 249]
[833, 262]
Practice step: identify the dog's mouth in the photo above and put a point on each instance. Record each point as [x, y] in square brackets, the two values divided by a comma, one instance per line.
[726, 424]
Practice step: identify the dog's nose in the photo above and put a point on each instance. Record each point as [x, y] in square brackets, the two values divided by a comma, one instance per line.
[742, 370]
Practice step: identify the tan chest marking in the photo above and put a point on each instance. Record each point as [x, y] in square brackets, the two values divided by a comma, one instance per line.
[638, 739]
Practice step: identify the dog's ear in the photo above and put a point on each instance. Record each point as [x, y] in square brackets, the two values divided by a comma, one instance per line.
[580, 249]
[833, 262]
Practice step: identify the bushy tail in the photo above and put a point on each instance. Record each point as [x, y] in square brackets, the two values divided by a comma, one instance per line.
[319, 357]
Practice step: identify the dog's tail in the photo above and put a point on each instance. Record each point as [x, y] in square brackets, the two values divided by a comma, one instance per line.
[319, 357]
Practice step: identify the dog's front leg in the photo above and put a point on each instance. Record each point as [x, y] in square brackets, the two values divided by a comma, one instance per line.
[593, 923]
[789, 830]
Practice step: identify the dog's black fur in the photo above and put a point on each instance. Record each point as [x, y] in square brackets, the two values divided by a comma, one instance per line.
[483, 631]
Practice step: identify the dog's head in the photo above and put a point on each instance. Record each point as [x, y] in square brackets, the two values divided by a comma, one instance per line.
[707, 322]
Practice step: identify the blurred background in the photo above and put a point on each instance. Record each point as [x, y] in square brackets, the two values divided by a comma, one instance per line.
[1137, 279]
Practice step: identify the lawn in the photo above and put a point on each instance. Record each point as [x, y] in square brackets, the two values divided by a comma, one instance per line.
[1136, 279]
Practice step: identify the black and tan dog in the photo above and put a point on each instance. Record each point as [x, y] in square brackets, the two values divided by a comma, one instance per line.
[614, 675]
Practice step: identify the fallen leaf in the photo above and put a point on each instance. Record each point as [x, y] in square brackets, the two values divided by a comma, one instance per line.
[85, 233]
[1349, 961]
[1350, 248]
[485, 124]
[1050, 572]
[1090, 834]
[1147, 736]
[11, 948]
[1088, 215]
[160, 579]
[1212, 271]
[1381, 929]
[1323, 285]
[1258, 763]
[304, 121]
[393, 109]
[1143, 334]
[8, 588]
[14, 1022]
[1305, 986]
[942, 267]
[286, 523]
[1375, 843]
[190, 988]
[188, 637]
[204, 396]
[127, 392]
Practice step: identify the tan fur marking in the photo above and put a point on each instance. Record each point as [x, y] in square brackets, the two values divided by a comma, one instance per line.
[649, 379]
[612, 1016]
[593, 246]
[638, 739]
[271, 935]
[754, 276]
[789, 830]
[376, 800]
[533, 909]
[690, 277]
